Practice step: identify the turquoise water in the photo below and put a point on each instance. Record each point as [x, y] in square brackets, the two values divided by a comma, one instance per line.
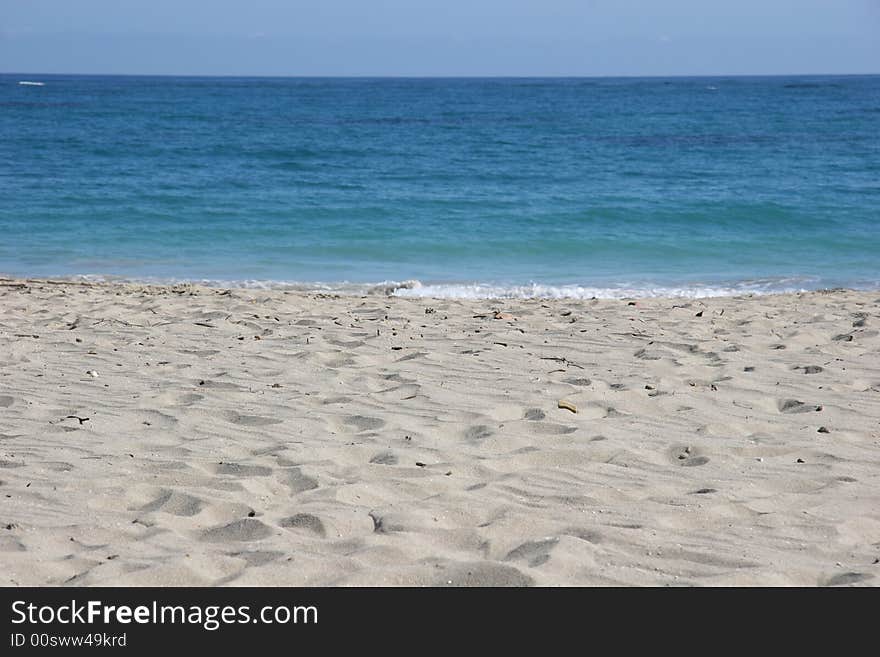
[457, 187]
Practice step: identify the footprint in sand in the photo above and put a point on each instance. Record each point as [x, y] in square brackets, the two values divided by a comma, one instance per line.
[240, 470]
[305, 521]
[58, 466]
[844, 579]
[249, 420]
[6, 401]
[384, 458]
[363, 423]
[246, 529]
[553, 429]
[299, 482]
[341, 399]
[340, 363]
[477, 433]
[533, 552]
[175, 503]
[258, 557]
[485, 573]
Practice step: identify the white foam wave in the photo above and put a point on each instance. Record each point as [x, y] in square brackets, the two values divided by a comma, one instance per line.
[476, 290]
[538, 291]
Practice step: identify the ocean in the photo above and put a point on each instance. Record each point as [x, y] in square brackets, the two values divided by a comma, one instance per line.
[607, 187]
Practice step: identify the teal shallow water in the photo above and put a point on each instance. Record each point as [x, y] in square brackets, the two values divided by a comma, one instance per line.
[492, 187]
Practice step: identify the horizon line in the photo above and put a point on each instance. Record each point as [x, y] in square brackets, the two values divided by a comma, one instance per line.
[444, 77]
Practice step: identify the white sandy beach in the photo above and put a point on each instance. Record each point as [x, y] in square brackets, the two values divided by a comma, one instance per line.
[245, 437]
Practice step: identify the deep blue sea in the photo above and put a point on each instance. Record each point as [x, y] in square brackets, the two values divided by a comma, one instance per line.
[445, 187]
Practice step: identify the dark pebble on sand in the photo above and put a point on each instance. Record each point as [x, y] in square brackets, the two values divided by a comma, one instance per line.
[824, 430]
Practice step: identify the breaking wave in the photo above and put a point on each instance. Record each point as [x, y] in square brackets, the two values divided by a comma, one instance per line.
[478, 290]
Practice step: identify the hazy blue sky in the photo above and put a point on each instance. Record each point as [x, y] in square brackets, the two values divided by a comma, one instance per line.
[440, 37]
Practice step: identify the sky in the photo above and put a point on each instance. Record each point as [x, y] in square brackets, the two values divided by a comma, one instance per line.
[440, 37]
